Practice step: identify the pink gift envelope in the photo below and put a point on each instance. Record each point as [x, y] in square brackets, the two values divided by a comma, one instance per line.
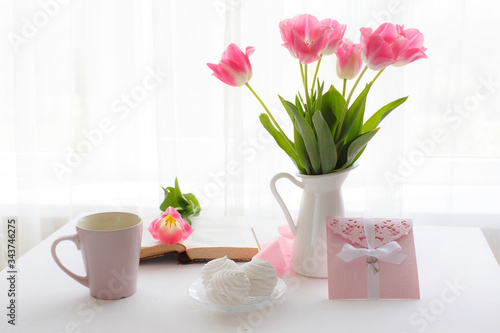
[371, 259]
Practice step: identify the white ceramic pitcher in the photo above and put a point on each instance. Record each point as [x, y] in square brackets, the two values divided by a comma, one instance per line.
[321, 198]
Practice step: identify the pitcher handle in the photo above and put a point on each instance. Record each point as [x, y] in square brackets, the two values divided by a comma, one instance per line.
[278, 198]
[74, 238]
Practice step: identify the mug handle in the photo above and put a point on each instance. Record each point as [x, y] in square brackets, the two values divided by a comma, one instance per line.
[278, 198]
[74, 238]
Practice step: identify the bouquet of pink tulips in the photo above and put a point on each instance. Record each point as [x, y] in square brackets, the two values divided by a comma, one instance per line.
[329, 131]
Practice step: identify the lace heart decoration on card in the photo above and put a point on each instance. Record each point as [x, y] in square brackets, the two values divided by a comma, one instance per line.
[386, 230]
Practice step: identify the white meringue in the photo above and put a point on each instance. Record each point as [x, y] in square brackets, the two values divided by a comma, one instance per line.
[228, 287]
[262, 276]
[215, 265]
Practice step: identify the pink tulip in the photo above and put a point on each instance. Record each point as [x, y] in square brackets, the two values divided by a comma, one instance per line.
[391, 45]
[377, 46]
[334, 32]
[303, 37]
[414, 46]
[170, 227]
[234, 67]
[349, 60]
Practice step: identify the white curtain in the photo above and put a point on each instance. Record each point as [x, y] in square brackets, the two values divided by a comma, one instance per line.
[103, 102]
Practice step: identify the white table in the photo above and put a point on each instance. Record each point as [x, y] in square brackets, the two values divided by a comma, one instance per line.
[459, 283]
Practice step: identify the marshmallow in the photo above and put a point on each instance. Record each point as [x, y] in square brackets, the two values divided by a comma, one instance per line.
[213, 266]
[228, 287]
[262, 276]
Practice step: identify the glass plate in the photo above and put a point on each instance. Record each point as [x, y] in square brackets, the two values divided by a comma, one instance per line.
[197, 292]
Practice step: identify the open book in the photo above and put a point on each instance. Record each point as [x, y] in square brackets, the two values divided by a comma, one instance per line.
[212, 238]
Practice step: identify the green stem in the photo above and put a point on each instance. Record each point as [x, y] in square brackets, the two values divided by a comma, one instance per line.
[354, 87]
[346, 105]
[378, 74]
[303, 72]
[315, 75]
[265, 108]
[343, 87]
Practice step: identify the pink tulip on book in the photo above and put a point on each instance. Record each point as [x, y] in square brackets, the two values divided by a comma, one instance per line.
[349, 60]
[170, 227]
[234, 67]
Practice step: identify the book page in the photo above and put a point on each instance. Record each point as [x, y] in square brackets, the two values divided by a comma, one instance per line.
[221, 232]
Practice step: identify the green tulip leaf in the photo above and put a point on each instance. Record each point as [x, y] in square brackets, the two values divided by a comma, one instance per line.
[359, 155]
[326, 146]
[358, 122]
[186, 205]
[298, 104]
[352, 113]
[310, 143]
[307, 134]
[169, 200]
[289, 107]
[179, 196]
[283, 142]
[331, 106]
[302, 153]
[351, 150]
[378, 116]
[317, 101]
[193, 203]
[165, 190]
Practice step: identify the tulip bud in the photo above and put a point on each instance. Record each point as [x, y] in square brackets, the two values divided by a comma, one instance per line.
[349, 60]
[234, 67]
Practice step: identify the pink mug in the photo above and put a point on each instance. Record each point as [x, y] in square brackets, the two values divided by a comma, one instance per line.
[110, 244]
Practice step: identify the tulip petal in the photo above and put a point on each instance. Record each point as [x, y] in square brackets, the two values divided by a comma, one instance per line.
[334, 32]
[365, 37]
[234, 53]
[152, 228]
[399, 46]
[186, 230]
[391, 45]
[285, 30]
[172, 212]
[378, 53]
[415, 37]
[303, 37]
[234, 68]
[410, 56]
[388, 31]
[307, 27]
[213, 67]
[286, 35]
[222, 74]
[233, 74]
[169, 231]
[307, 53]
[349, 60]
[249, 51]
[365, 34]
[412, 50]
[170, 227]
